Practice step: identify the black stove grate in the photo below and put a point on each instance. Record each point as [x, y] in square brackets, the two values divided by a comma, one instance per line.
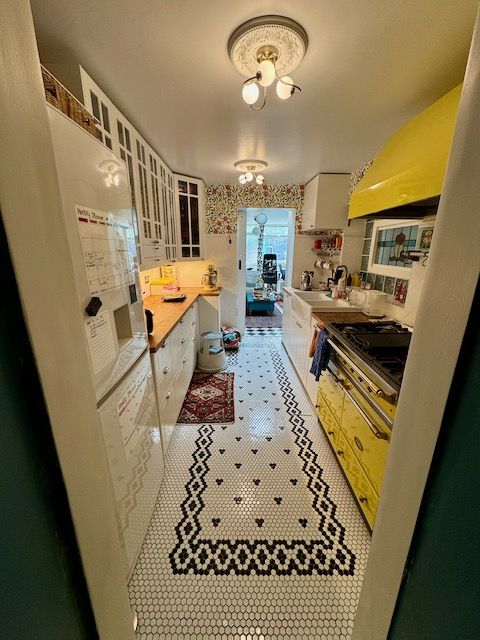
[382, 344]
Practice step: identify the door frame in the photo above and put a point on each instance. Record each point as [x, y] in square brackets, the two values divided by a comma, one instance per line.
[242, 214]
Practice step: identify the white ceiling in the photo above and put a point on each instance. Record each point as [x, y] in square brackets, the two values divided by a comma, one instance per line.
[370, 65]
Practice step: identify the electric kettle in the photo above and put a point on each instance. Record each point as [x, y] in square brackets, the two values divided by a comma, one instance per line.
[306, 281]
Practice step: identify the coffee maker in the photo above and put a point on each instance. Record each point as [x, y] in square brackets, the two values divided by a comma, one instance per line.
[306, 281]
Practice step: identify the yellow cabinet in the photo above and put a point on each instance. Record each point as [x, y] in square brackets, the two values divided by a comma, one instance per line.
[359, 483]
[331, 393]
[328, 422]
[370, 450]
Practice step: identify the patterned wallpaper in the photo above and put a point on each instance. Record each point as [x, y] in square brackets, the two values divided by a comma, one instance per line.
[224, 200]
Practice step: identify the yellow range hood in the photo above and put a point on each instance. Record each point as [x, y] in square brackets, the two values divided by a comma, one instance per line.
[409, 169]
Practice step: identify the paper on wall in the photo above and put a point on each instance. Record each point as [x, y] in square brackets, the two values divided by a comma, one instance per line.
[100, 340]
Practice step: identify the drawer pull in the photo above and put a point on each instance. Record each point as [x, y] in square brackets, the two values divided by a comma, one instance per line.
[182, 340]
[194, 339]
[184, 360]
[373, 427]
[168, 395]
[363, 499]
[331, 433]
[339, 452]
[164, 344]
[358, 442]
[193, 323]
[298, 324]
[181, 320]
[165, 371]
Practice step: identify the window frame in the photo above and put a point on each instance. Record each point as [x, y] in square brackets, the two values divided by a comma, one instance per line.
[393, 271]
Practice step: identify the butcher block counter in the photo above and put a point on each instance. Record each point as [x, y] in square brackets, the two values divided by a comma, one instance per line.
[167, 314]
[323, 318]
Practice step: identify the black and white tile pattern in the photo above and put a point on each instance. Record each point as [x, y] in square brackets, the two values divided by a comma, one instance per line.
[264, 332]
[255, 533]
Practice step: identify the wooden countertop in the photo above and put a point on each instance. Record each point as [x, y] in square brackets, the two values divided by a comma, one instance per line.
[326, 317]
[167, 314]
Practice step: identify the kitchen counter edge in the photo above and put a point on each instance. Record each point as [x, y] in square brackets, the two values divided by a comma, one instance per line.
[166, 315]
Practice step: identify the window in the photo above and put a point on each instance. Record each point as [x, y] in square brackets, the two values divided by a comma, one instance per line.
[388, 240]
[275, 240]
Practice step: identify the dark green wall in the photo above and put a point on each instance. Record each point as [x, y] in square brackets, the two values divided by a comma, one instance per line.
[42, 588]
[440, 594]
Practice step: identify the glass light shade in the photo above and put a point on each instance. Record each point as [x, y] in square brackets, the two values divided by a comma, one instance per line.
[249, 176]
[267, 71]
[250, 92]
[259, 179]
[284, 91]
[242, 179]
[261, 219]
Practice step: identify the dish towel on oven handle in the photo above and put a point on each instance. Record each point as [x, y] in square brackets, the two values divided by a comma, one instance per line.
[321, 355]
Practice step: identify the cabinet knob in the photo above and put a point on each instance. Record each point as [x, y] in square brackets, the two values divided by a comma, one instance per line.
[317, 406]
[363, 499]
[165, 371]
[164, 344]
[182, 340]
[331, 433]
[339, 452]
[181, 321]
[168, 395]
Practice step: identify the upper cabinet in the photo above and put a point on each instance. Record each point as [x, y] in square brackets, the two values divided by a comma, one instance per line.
[190, 194]
[325, 202]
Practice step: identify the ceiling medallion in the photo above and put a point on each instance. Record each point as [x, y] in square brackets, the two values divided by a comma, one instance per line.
[266, 49]
[250, 169]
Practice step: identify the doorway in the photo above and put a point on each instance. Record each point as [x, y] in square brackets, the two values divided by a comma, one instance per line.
[265, 244]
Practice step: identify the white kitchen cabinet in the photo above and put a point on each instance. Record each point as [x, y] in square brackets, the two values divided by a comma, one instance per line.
[151, 181]
[190, 194]
[209, 313]
[173, 365]
[325, 204]
[169, 212]
[296, 333]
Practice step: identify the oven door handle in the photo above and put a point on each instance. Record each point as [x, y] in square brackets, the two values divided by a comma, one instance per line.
[372, 385]
[334, 376]
[372, 426]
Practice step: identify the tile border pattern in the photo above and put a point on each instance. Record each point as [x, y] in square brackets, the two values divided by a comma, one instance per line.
[324, 556]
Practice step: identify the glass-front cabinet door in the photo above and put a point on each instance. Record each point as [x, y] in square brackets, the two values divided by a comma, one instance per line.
[190, 201]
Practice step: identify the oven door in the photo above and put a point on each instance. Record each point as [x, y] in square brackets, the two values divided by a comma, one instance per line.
[366, 433]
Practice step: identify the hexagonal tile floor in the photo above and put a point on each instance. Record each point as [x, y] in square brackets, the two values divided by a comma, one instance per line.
[255, 535]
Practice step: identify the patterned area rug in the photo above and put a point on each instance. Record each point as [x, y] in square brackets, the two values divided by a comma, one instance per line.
[209, 399]
[273, 320]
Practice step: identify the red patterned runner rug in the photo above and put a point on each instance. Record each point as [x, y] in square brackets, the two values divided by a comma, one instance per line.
[209, 399]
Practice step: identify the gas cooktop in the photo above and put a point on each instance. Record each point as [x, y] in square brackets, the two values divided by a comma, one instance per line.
[383, 345]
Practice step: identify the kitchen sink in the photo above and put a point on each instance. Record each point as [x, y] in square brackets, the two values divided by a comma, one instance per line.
[319, 301]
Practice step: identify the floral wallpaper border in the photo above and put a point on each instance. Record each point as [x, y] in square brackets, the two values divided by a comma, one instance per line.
[224, 200]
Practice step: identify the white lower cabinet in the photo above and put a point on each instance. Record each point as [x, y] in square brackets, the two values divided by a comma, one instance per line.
[173, 365]
[296, 335]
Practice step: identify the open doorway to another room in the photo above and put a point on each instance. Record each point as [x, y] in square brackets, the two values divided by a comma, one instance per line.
[266, 236]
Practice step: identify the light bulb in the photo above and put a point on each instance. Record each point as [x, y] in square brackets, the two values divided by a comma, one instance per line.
[249, 176]
[260, 179]
[284, 91]
[250, 92]
[267, 71]
[242, 179]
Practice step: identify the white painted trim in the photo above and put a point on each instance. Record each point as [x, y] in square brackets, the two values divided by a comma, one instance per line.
[448, 288]
[35, 225]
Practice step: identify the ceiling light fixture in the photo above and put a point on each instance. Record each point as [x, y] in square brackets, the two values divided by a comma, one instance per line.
[250, 169]
[266, 49]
